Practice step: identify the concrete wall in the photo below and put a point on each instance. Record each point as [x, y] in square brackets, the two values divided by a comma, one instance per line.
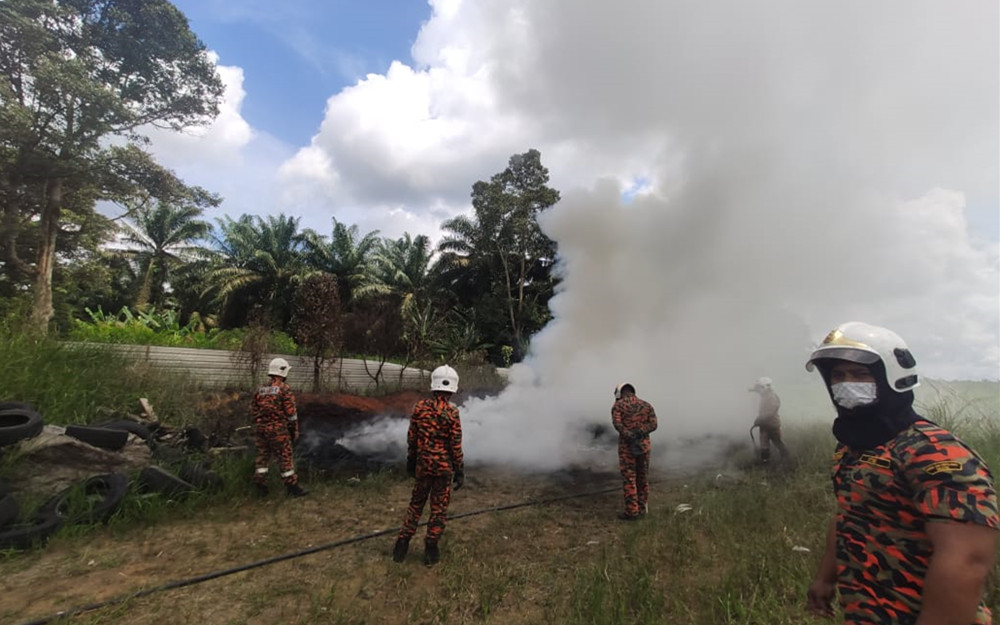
[221, 369]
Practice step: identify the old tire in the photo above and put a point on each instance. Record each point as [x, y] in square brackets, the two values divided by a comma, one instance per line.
[18, 424]
[103, 494]
[27, 535]
[16, 405]
[131, 427]
[203, 478]
[158, 480]
[8, 510]
[104, 438]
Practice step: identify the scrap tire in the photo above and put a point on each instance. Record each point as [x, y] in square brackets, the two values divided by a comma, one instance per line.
[132, 427]
[17, 424]
[8, 509]
[15, 405]
[157, 480]
[111, 487]
[199, 476]
[104, 438]
[42, 527]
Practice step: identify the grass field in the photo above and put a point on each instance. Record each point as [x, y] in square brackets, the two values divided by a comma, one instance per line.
[742, 549]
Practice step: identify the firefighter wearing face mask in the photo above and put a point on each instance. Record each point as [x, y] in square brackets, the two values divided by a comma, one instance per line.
[915, 532]
[633, 419]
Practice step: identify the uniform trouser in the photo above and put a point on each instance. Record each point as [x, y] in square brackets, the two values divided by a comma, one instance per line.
[274, 441]
[635, 479]
[771, 433]
[438, 488]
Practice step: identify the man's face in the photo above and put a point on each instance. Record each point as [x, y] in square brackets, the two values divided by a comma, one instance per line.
[845, 371]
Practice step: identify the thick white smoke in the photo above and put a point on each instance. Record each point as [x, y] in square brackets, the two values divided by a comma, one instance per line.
[797, 165]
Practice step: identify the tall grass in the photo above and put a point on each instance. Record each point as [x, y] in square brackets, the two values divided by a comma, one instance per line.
[80, 384]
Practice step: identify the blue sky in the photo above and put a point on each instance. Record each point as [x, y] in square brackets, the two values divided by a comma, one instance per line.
[297, 53]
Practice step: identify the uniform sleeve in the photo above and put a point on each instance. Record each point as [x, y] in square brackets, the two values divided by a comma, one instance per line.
[411, 434]
[950, 482]
[650, 420]
[616, 417]
[288, 397]
[455, 448]
[254, 408]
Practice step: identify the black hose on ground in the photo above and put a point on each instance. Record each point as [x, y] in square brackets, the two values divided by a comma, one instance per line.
[190, 581]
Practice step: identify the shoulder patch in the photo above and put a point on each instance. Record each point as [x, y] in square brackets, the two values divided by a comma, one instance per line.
[876, 461]
[943, 466]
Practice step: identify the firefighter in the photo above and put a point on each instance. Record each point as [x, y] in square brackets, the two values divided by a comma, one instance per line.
[276, 425]
[434, 458]
[633, 419]
[914, 534]
[768, 423]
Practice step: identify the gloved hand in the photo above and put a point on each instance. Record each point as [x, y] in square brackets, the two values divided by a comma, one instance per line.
[293, 431]
[459, 479]
[411, 467]
[635, 435]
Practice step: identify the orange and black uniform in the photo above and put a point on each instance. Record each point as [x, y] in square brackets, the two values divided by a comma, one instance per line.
[634, 419]
[434, 457]
[885, 497]
[276, 424]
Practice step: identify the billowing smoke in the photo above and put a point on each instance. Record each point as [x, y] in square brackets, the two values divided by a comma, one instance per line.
[803, 166]
[737, 179]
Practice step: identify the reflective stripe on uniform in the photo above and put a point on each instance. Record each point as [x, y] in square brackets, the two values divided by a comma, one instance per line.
[288, 473]
[262, 470]
[294, 417]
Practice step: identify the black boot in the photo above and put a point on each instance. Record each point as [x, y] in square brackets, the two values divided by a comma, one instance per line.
[262, 490]
[765, 456]
[294, 490]
[399, 550]
[431, 554]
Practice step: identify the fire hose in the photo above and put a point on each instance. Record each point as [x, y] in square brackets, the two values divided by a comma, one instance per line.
[190, 581]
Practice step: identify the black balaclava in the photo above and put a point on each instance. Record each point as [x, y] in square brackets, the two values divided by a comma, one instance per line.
[866, 427]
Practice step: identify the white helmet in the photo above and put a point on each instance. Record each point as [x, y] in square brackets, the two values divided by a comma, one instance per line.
[764, 382]
[622, 387]
[867, 344]
[444, 378]
[278, 366]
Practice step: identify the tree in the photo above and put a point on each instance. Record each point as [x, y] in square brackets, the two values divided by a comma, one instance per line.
[79, 82]
[375, 327]
[401, 267]
[316, 322]
[503, 242]
[258, 267]
[160, 240]
[346, 255]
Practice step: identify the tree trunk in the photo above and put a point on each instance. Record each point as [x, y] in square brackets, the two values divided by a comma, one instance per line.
[42, 312]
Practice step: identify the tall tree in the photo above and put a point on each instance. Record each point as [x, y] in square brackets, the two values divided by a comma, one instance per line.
[79, 81]
[259, 265]
[346, 255]
[316, 323]
[502, 240]
[161, 239]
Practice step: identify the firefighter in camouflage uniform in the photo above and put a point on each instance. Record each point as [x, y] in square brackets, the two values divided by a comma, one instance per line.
[276, 427]
[633, 419]
[434, 457]
[915, 532]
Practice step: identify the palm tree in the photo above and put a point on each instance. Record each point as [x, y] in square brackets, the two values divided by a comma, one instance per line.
[259, 264]
[161, 240]
[401, 267]
[346, 255]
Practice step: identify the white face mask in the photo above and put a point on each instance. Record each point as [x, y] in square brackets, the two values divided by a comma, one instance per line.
[853, 394]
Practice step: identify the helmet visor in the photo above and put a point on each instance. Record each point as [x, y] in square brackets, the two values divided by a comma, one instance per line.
[850, 354]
